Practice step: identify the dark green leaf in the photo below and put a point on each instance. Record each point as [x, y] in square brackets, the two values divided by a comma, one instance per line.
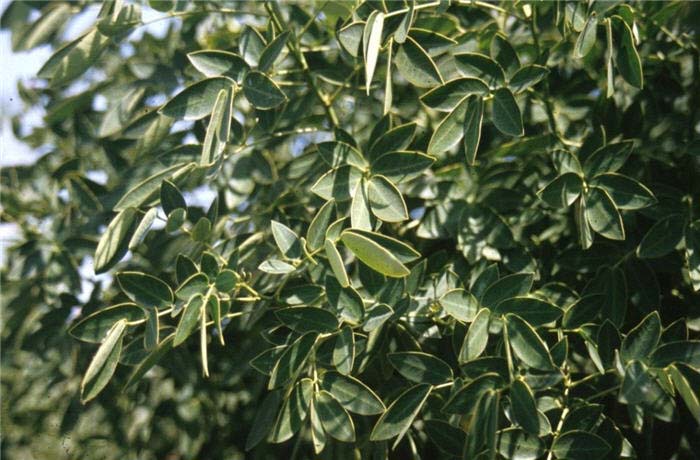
[421, 367]
[352, 394]
[261, 91]
[662, 238]
[334, 418]
[416, 66]
[308, 319]
[506, 113]
[146, 290]
[399, 416]
[527, 344]
[104, 363]
[579, 445]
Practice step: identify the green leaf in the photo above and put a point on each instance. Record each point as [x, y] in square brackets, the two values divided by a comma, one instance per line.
[272, 51]
[170, 197]
[402, 31]
[196, 101]
[338, 184]
[114, 242]
[293, 412]
[452, 128]
[516, 444]
[416, 66]
[143, 228]
[261, 91]
[371, 43]
[579, 445]
[399, 416]
[396, 139]
[219, 128]
[523, 407]
[685, 351]
[663, 237]
[316, 234]
[447, 97]
[527, 344]
[75, 58]
[350, 37]
[188, 321]
[103, 364]
[151, 360]
[481, 66]
[336, 263]
[214, 63]
[146, 290]
[373, 254]
[477, 337]
[460, 304]
[318, 434]
[641, 388]
[687, 382]
[627, 59]
[602, 215]
[334, 418]
[464, 400]
[226, 281]
[344, 351]
[421, 367]
[584, 310]
[308, 319]
[276, 267]
[147, 190]
[360, 213]
[401, 166]
[562, 191]
[502, 51]
[352, 394]
[587, 38]
[625, 192]
[509, 286]
[474, 115]
[506, 113]
[94, 327]
[642, 340]
[447, 438]
[292, 360]
[251, 45]
[527, 77]
[609, 58]
[607, 159]
[692, 253]
[385, 200]
[377, 316]
[345, 300]
[198, 283]
[535, 311]
[287, 240]
[264, 420]
[336, 154]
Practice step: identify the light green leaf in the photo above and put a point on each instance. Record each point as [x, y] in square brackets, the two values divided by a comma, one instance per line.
[360, 214]
[219, 128]
[261, 91]
[587, 37]
[114, 242]
[276, 267]
[344, 350]
[481, 66]
[147, 190]
[336, 263]
[372, 42]
[214, 63]
[350, 37]
[506, 113]
[188, 320]
[399, 416]
[385, 200]
[143, 228]
[460, 304]
[287, 240]
[374, 255]
[336, 154]
[416, 66]
[104, 363]
[450, 130]
[421, 367]
[316, 234]
[477, 337]
[75, 58]
[402, 31]
[338, 184]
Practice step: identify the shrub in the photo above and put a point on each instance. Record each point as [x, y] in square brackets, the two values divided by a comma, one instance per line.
[435, 229]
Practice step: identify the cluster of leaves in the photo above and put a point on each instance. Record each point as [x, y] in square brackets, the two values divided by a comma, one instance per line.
[444, 228]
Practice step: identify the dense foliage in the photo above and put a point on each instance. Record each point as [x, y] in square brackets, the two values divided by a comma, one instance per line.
[388, 229]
